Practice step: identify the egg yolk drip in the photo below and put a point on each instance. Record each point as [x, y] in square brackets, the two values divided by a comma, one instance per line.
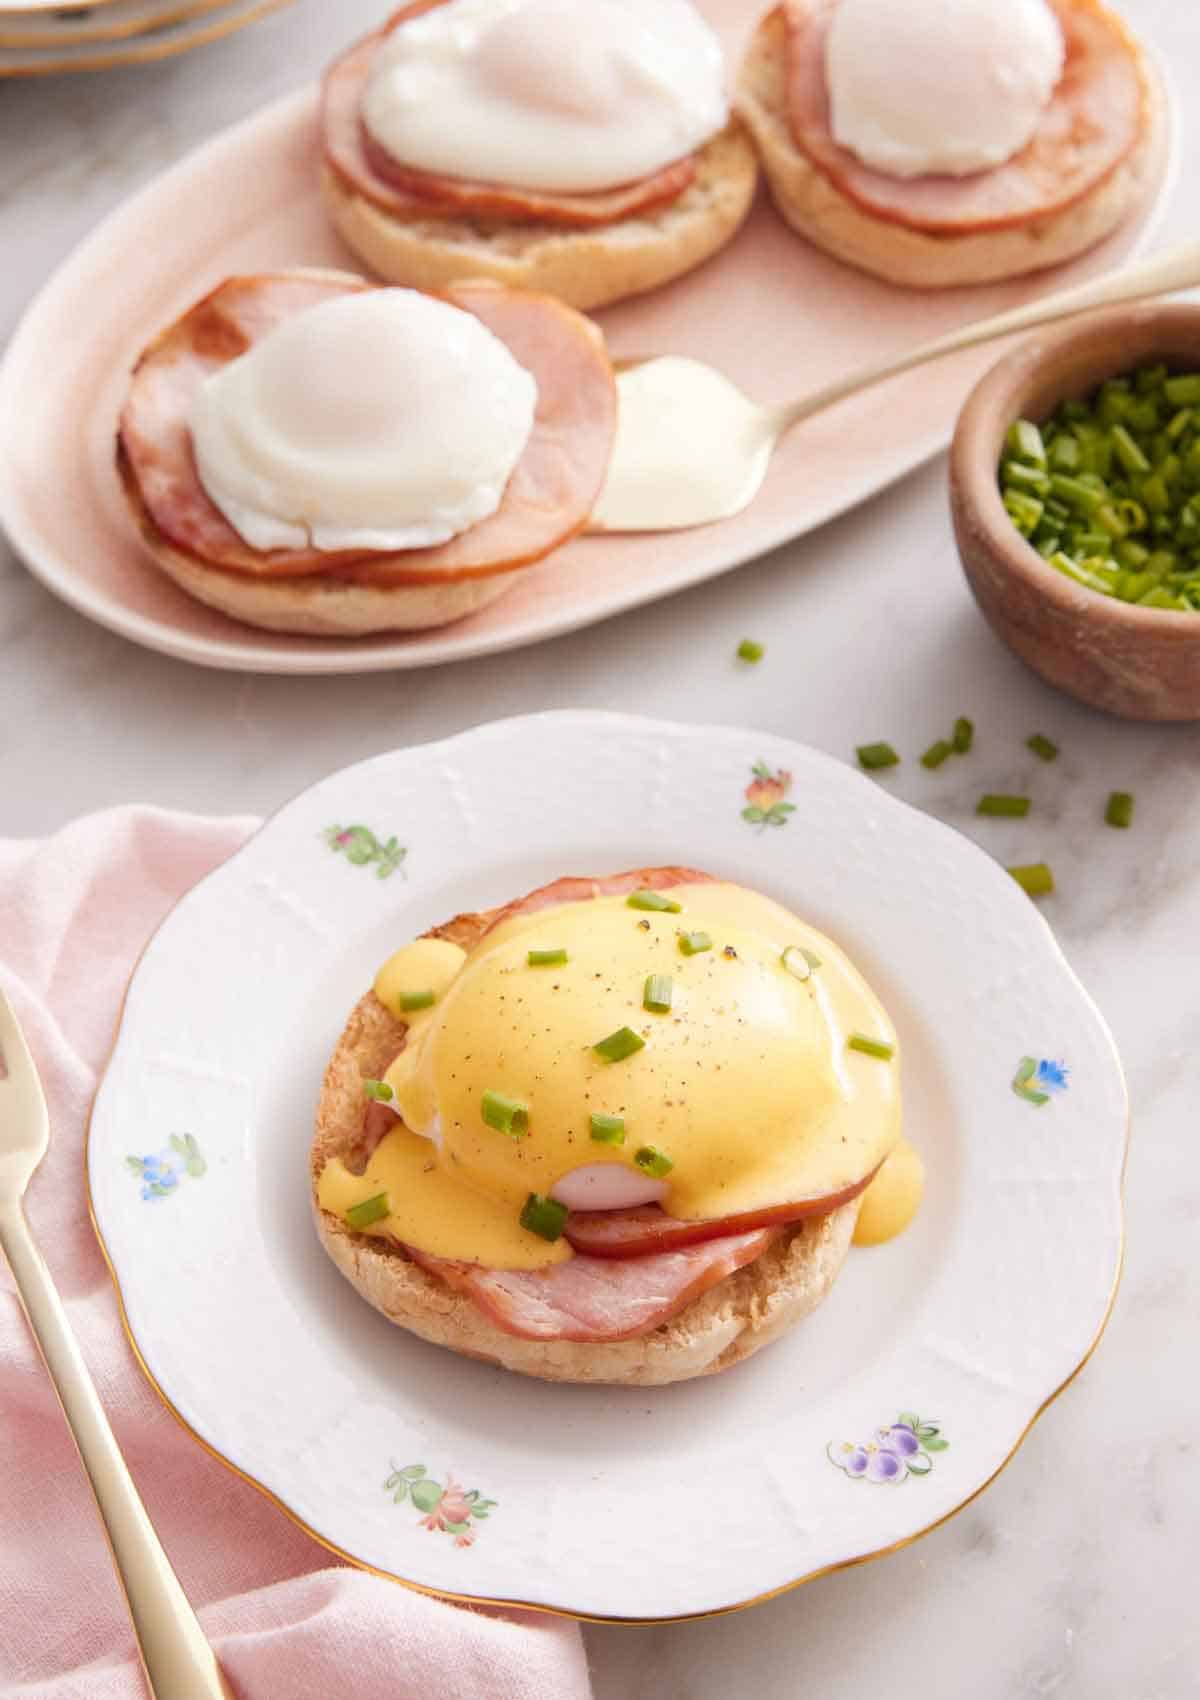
[742, 1094]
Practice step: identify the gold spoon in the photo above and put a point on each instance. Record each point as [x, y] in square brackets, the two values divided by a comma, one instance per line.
[178, 1661]
[691, 448]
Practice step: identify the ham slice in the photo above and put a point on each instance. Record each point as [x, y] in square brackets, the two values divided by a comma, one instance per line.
[594, 1299]
[547, 499]
[366, 169]
[1093, 121]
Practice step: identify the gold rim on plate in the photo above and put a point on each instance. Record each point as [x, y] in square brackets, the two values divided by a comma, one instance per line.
[150, 51]
[71, 33]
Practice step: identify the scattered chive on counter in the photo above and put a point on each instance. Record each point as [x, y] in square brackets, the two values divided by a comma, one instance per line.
[691, 944]
[1119, 809]
[1042, 747]
[370, 1210]
[1107, 490]
[963, 735]
[748, 650]
[410, 1001]
[993, 803]
[653, 1162]
[379, 1090]
[543, 1216]
[619, 1045]
[872, 756]
[871, 1047]
[508, 1115]
[546, 958]
[937, 752]
[657, 993]
[608, 1130]
[653, 900]
[1034, 878]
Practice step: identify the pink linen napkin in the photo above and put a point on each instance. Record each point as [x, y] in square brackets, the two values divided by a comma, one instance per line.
[288, 1623]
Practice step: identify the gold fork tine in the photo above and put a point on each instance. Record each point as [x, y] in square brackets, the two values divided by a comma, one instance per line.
[178, 1661]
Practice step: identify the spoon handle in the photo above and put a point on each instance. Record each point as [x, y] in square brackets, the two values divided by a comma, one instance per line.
[178, 1661]
[1176, 268]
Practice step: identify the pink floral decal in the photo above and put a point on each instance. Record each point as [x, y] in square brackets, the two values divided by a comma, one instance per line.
[901, 1450]
[359, 845]
[765, 794]
[448, 1510]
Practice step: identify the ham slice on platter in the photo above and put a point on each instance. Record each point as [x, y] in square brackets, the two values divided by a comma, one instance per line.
[594, 1299]
[367, 169]
[1094, 119]
[546, 501]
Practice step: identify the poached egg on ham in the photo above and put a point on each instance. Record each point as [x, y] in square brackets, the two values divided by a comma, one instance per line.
[382, 419]
[566, 95]
[692, 1055]
[940, 87]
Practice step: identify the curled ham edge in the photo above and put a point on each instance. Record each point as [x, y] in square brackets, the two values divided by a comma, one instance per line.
[365, 167]
[637, 1280]
[1095, 117]
[547, 499]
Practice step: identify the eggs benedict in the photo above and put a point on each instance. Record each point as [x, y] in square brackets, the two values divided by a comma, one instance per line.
[584, 147]
[312, 454]
[619, 1130]
[951, 141]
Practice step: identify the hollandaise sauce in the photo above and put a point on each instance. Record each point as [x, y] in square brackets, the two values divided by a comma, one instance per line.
[719, 1054]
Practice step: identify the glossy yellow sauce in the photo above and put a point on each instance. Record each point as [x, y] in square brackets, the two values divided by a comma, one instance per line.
[746, 1084]
[893, 1197]
[425, 965]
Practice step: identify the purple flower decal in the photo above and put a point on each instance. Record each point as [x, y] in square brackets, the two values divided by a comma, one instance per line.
[900, 1450]
[1036, 1082]
[359, 845]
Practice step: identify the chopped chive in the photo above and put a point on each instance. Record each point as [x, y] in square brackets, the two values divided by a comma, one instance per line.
[1042, 747]
[507, 1115]
[1034, 878]
[1119, 809]
[937, 752]
[799, 961]
[619, 1045]
[543, 1216]
[370, 1210]
[691, 944]
[608, 1130]
[871, 1047]
[653, 1162]
[657, 993]
[872, 756]
[994, 804]
[748, 650]
[379, 1090]
[653, 900]
[546, 958]
[424, 999]
[964, 735]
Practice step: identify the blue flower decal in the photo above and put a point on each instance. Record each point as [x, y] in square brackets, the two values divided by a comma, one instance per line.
[161, 1171]
[1036, 1081]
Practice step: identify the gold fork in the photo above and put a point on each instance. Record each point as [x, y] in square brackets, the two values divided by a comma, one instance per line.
[178, 1661]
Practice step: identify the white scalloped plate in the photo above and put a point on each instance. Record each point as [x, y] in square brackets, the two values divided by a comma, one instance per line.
[775, 313]
[635, 1504]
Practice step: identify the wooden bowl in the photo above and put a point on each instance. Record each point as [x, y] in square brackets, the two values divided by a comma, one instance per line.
[1140, 663]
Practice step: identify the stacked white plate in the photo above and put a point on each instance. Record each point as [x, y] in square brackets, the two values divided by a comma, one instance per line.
[40, 37]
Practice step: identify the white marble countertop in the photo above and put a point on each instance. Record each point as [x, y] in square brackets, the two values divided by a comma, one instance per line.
[1074, 1574]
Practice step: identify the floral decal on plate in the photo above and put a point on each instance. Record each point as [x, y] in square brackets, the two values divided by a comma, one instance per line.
[359, 845]
[1037, 1081]
[901, 1450]
[161, 1172]
[448, 1509]
[765, 794]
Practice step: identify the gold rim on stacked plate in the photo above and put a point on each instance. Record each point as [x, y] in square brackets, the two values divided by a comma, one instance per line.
[42, 37]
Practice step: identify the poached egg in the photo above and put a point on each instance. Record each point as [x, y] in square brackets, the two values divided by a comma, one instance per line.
[940, 86]
[381, 420]
[561, 95]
